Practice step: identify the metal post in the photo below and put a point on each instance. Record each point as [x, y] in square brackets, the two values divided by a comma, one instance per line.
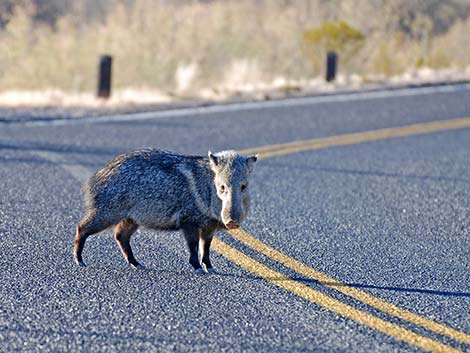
[104, 76]
[331, 66]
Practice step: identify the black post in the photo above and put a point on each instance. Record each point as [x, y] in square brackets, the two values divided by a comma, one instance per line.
[331, 66]
[104, 76]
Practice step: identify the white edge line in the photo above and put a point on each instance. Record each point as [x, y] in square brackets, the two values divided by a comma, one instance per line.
[236, 107]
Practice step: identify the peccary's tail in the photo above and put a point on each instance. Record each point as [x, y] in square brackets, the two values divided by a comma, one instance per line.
[97, 182]
[89, 191]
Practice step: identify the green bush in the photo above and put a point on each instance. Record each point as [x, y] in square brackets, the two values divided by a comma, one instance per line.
[332, 36]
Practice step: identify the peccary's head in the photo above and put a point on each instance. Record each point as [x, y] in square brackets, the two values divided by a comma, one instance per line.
[232, 172]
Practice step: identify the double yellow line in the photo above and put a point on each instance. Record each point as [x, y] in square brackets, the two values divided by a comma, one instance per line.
[360, 137]
[324, 300]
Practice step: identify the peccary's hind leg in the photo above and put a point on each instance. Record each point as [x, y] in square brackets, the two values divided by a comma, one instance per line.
[122, 234]
[191, 233]
[206, 239]
[89, 225]
[80, 238]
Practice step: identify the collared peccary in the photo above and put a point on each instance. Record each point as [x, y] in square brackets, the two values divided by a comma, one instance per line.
[167, 191]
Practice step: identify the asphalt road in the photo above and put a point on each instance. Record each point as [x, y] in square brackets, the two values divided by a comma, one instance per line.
[384, 220]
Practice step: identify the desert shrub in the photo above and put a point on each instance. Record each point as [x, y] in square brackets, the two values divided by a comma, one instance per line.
[332, 36]
[189, 45]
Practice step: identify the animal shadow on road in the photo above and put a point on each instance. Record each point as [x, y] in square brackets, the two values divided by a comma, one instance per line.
[398, 289]
[308, 281]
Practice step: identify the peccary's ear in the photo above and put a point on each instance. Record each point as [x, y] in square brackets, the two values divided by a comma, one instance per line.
[250, 161]
[213, 159]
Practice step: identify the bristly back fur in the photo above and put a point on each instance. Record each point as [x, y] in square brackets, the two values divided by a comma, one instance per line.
[153, 183]
[164, 190]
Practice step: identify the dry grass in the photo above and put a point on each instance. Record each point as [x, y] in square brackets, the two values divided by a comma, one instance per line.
[187, 49]
[57, 97]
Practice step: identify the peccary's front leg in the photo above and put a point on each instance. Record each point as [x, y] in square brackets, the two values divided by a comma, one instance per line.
[206, 239]
[191, 233]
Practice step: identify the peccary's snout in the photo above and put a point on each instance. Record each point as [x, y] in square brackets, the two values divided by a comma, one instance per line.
[232, 210]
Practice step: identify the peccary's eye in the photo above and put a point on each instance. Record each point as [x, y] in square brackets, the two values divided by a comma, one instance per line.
[243, 187]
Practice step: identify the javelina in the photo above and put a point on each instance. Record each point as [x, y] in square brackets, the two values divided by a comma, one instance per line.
[167, 191]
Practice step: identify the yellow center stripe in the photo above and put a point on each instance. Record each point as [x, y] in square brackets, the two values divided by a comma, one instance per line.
[362, 296]
[314, 296]
[360, 137]
[327, 302]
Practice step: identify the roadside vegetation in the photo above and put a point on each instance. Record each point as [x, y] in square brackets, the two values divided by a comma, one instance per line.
[184, 47]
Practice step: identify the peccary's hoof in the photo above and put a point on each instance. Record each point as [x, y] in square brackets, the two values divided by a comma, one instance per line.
[138, 266]
[80, 263]
[211, 270]
[200, 271]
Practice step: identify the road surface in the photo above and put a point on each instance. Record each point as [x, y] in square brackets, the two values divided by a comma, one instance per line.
[358, 238]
